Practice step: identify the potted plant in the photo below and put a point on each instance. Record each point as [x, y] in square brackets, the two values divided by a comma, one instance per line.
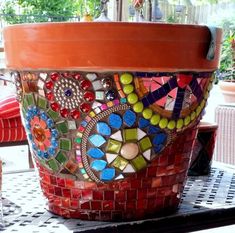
[226, 73]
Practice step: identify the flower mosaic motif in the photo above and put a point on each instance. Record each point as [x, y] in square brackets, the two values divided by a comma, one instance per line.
[120, 145]
[107, 126]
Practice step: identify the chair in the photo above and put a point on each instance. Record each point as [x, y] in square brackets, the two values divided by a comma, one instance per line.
[12, 132]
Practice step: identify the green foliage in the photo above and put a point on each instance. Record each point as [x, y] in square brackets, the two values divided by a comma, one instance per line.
[21, 11]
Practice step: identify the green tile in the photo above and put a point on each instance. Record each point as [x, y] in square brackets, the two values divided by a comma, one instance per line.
[113, 146]
[139, 162]
[145, 144]
[65, 144]
[78, 140]
[53, 115]
[42, 102]
[30, 99]
[53, 164]
[130, 134]
[61, 158]
[120, 163]
[62, 127]
[25, 104]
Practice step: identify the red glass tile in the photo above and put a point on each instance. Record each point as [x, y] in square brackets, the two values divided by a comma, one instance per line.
[113, 185]
[108, 205]
[55, 106]
[66, 74]
[152, 171]
[131, 194]
[96, 205]
[120, 195]
[53, 180]
[46, 179]
[76, 193]
[135, 184]
[141, 204]
[125, 185]
[163, 160]
[156, 182]
[66, 202]
[54, 76]
[74, 204]
[58, 191]
[57, 201]
[146, 183]
[120, 205]
[64, 112]
[98, 195]
[51, 189]
[108, 195]
[49, 85]
[66, 192]
[85, 205]
[69, 183]
[151, 193]
[50, 96]
[131, 205]
[87, 194]
[141, 194]
[60, 182]
[75, 114]
[77, 76]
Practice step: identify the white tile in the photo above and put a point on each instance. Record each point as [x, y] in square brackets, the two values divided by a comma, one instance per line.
[147, 154]
[72, 125]
[97, 85]
[119, 177]
[111, 157]
[91, 76]
[129, 169]
[140, 133]
[117, 136]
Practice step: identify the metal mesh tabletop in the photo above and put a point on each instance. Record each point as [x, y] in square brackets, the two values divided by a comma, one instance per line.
[24, 207]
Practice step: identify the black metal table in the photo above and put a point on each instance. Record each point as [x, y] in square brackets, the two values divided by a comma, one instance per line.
[207, 201]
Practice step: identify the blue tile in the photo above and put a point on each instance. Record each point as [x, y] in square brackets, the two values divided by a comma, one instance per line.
[158, 148]
[97, 140]
[153, 130]
[107, 174]
[159, 139]
[173, 83]
[150, 98]
[143, 123]
[145, 102]
[95, 153]
[115, 121]
[84, 123]
[129, 118]
[98, 165]
[103, 128]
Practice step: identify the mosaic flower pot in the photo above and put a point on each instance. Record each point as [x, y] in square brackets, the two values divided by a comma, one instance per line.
[110, 111]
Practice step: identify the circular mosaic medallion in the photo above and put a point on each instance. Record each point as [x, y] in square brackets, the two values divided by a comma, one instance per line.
[70, 94]
[119, 143]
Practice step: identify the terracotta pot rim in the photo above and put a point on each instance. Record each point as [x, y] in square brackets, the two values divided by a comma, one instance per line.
[109, 46]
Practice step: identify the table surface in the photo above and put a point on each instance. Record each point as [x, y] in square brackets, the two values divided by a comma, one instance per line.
[207, 201]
